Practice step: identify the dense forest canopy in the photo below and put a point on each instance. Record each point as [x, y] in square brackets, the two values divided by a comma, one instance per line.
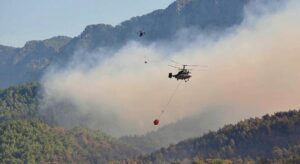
[26, 138]
[273, 138]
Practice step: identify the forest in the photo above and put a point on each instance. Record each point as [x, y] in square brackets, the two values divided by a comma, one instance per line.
[26, 137]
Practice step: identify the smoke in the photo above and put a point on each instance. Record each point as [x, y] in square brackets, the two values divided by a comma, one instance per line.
[253, 70]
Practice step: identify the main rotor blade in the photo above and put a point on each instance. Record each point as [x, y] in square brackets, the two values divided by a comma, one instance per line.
[196, 65]
[174, 66]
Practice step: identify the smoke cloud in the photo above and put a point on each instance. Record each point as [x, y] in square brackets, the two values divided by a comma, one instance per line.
[253, 70]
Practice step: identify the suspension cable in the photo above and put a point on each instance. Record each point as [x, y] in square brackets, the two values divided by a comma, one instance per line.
[170, 99]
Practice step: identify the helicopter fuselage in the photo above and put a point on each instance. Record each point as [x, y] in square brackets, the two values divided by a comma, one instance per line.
[181, 75]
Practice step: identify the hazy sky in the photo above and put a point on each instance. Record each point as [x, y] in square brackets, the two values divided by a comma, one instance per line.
[21, 21]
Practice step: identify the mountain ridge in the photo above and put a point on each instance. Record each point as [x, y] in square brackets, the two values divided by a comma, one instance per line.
[31, 61]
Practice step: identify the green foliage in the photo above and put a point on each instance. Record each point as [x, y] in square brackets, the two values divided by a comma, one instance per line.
[31, 142]
[271, 138]
[97, 147]
[19, 102]
[24, 138]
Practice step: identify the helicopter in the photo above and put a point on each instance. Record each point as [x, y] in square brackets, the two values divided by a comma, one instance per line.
[183, 73]
[141, 33]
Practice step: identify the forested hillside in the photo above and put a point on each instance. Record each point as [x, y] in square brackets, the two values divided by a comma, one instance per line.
[19, 102]
[25, 138]
[274, 138]
[188, 127]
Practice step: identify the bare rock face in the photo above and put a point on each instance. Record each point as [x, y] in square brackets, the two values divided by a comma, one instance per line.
[181, 4]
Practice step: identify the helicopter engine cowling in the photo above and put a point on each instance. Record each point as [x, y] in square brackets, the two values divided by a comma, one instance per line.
[170, 75]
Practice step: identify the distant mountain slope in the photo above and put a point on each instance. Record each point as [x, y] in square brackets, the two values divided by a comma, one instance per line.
[20, 65]
[57, 42]
[162, 24]
[270, 137]
[29, 62]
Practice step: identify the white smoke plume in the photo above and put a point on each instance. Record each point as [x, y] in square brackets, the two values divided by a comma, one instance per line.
[253, 70]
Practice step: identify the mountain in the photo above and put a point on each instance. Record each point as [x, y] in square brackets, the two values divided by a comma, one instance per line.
[162, 24]
[29, 62]
[20, 65]
[57, 42]
[274, 138]
[25, 138]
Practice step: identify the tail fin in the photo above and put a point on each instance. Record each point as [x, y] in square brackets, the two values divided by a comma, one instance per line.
[170, 75]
